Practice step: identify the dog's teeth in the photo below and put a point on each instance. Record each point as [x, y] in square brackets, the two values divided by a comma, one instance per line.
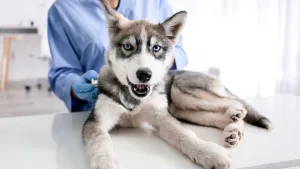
[140, 88]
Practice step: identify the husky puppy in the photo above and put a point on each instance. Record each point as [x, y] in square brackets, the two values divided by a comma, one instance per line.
[136, 87]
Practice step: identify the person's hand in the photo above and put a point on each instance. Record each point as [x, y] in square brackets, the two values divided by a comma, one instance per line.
[83, 89]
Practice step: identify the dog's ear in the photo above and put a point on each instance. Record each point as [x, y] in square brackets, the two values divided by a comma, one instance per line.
[174, 24]
[114, 19]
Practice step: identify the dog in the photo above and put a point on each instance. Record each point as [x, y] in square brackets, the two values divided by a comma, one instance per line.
[137, 86]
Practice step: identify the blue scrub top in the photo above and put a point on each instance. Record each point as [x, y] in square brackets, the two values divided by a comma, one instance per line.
[78, 40]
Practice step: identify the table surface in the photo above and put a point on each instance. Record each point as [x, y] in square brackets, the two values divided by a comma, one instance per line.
[54, 141]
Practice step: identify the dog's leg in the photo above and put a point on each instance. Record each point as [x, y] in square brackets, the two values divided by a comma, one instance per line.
[96, 137]
[232, 129]
[207, 154]
[205, 89]
[198, 99]
[202, 118]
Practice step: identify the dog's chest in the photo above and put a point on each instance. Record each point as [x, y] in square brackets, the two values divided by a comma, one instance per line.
[155, 103]
[128, 101]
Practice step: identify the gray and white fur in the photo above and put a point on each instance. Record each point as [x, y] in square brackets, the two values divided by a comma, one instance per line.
[137, 87]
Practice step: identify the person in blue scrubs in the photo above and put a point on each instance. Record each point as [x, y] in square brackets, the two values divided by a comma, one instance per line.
[78, 40]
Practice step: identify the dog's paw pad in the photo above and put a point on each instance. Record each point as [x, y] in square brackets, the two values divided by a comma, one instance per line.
[236, 112]
[105, 163]
[216, 158]
[232, 135]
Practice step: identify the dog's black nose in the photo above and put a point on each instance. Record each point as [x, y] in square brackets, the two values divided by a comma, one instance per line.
[144, 74]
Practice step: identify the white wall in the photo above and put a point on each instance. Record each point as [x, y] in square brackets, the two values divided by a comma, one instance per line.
[22, 66]
[19, 13]
[253, 42]
[1, 50]
[202, 31]
[208, 40]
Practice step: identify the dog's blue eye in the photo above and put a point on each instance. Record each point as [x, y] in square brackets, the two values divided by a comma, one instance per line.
[127, 47]
[156, 48]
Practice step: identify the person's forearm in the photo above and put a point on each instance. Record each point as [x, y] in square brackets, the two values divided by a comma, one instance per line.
[113, 3]
[172, 62]
[180, 59]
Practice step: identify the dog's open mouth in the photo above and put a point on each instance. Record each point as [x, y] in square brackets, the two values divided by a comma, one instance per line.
[140, 90]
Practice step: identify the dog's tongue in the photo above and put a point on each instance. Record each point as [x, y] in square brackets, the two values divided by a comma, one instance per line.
[141, 88]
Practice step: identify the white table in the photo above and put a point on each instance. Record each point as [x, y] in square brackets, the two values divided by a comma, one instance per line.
[54, 142]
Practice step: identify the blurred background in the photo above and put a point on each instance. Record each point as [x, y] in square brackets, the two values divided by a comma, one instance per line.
[252, 44]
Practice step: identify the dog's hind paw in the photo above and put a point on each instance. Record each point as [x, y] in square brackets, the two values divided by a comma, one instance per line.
[232, 135]
[236, 112]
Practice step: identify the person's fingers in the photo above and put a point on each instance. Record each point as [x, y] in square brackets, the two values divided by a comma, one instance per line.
[85, 96]
[91, 74]
[90, 96]
[82, 87]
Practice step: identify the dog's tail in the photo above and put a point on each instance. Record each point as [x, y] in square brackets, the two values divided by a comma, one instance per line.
[253, 117]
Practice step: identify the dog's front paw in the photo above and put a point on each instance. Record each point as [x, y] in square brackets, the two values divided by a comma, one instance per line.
[232, 135]
[212, 156]
[236, 112]
[104, 163]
